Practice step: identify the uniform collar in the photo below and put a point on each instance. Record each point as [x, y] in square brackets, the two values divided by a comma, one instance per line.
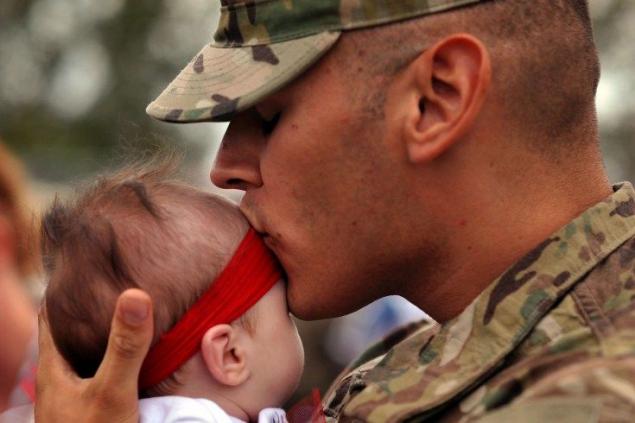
[417, 377]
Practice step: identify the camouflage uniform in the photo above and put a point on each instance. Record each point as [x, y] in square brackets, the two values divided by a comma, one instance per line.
[550, 340]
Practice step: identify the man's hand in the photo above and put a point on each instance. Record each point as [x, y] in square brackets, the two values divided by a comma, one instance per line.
[111, 396]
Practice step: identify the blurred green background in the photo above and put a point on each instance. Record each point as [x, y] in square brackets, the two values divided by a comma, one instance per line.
[76, 75]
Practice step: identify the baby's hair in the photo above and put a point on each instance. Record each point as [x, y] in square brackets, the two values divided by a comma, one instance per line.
[139, 228]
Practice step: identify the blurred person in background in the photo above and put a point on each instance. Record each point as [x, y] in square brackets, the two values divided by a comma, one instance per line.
[17, 264]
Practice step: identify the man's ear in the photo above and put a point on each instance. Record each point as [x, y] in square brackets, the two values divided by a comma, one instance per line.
[224, 355]
[447, 85]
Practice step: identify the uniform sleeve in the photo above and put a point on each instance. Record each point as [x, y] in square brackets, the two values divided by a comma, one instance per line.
[394, 337]
[351, 380]
[547, 410]
[599, 390]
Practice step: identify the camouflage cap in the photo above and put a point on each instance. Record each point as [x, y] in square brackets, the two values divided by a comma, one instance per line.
[261, 45]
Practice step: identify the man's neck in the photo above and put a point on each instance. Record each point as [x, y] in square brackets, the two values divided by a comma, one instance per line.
[502, 228]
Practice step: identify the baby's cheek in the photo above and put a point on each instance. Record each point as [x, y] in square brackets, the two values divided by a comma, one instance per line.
[299, 358]
[294, 363]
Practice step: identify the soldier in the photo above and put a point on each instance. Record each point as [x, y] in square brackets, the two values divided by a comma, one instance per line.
[442, 150]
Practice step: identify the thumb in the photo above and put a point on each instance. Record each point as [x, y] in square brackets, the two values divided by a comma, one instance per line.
[130, 337]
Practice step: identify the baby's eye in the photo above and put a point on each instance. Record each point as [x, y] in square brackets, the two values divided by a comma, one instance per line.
[268, 126]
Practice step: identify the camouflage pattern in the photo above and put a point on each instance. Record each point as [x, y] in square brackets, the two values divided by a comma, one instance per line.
[219, 82]
[261, 45]
[551, 340]
[248, 23]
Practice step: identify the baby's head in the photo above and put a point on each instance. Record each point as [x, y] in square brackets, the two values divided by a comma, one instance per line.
[140, 229]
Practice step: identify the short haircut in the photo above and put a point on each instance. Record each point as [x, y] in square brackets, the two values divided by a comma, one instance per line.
[545, 63]
[547, 68]
[139, 228]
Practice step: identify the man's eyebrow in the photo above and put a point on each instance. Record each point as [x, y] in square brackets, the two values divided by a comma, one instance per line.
[267, 119]
[256, 111]
[261, 112]
[268, 126]
[270, 107]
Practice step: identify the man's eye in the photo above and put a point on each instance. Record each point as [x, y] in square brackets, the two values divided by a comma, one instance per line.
[269, 125]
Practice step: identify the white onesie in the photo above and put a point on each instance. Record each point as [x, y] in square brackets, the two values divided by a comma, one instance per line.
[175, 409]
[168, 409]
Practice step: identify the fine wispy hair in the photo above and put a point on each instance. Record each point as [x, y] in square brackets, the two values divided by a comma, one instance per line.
[139, 227]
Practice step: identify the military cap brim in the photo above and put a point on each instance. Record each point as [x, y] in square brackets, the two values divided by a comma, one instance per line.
[220, 81]
[262, 45]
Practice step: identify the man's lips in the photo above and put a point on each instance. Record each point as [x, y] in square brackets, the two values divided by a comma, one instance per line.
[252, 218]
[260, 227]
[273, 243]
[262, 232]
[270, 242]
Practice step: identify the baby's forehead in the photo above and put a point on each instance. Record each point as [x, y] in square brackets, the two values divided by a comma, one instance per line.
[207, 221]
[217, 214]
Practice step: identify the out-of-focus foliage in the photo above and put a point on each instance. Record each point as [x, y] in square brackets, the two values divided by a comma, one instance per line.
[75, 76]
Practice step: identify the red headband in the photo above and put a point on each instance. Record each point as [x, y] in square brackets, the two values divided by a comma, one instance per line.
[250, 274]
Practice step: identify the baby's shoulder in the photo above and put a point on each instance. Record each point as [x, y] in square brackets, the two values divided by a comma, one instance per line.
[176, 409]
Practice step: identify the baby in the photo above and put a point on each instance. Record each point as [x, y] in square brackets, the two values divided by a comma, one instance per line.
[225, 348]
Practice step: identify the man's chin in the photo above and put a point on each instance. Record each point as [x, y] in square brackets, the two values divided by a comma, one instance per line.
[313, 307]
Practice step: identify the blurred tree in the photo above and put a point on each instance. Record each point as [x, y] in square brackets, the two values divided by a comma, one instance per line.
[75, 76]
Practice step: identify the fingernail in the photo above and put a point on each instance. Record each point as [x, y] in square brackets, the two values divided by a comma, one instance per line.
[133, 311]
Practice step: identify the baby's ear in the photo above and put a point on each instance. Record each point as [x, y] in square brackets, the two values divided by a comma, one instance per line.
[224, 355]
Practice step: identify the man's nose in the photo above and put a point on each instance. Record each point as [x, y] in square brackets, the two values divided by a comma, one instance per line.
[237, 164]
